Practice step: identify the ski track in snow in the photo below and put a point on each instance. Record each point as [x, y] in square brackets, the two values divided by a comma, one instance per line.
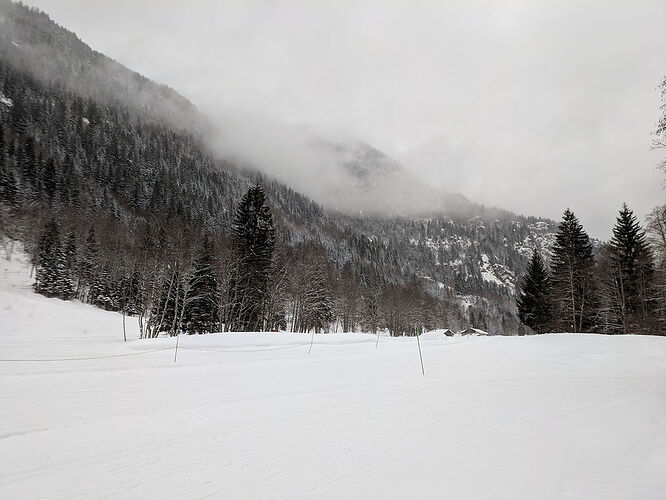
[254, 416]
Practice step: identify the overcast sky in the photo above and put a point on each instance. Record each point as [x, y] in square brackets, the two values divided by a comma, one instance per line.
[532, 106]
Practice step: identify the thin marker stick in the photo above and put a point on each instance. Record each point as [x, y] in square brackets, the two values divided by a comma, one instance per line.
[416, 330]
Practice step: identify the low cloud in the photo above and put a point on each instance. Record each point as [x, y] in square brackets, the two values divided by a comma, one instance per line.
[531, 106]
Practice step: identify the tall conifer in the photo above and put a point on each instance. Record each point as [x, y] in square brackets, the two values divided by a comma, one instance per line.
[574, 289]
[54, 276]
[88, 266]
[534, 307]
[202, 309]
[254, 244]
[633, 263]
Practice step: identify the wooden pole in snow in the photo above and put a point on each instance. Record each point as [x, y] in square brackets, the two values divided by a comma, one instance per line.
[124, 330]
[311, 342]
[175, 354]
[416, 330]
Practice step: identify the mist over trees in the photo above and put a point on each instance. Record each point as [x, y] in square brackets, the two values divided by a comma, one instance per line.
[135, 196]
[124, 207]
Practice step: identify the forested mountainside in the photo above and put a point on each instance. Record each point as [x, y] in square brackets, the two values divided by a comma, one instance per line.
[29, 39]
[134, 193]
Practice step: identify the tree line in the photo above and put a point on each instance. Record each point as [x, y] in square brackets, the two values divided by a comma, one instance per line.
[136, 198]
[135, 195]
[250, 281]
[618, 289]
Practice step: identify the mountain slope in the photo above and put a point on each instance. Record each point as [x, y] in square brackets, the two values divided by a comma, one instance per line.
[30, 41]
[79, 144]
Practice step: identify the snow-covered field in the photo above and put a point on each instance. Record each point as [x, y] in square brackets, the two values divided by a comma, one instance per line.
[255, 416]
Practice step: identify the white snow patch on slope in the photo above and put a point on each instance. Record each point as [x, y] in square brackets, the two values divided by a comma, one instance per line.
[487, 271]
[6, 101]
[255, 416]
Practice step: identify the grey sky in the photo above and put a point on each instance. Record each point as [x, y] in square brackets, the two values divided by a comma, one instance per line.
[531, 105]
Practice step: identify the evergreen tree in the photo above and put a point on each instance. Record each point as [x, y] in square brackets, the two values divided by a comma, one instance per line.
[8, 184]
[48, 248]
[202, 309]
[50, 180]
[2, 145]
[88, 266]
[572, 270]
[70, 253]
[53, 277]
[100, 293]
[633, 264]
[9, 190]
[534, 308]
[27, 162]
[254, 243]
[320, 314]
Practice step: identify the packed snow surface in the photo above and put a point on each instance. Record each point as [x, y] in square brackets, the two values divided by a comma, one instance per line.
[85, 415]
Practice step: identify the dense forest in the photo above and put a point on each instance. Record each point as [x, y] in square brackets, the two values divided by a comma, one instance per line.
[107, 179]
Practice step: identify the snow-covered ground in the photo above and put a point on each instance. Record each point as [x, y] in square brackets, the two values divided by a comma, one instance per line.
[255, 416]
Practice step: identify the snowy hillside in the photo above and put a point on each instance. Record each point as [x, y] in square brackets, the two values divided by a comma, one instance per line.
[85, 415]
[151, 172]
